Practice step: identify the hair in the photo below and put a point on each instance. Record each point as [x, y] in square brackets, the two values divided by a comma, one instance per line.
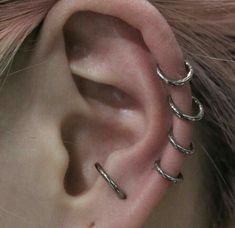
[206, 33]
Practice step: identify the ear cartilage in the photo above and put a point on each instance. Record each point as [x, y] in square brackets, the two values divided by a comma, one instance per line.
[176, 180]
[197, 117]
[179, 82]
[183, 116]
[177, 146]
[120, 193]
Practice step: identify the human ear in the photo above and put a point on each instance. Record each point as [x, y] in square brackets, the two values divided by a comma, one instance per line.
[107, 105]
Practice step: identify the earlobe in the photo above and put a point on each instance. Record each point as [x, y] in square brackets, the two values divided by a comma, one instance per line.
[122, 120]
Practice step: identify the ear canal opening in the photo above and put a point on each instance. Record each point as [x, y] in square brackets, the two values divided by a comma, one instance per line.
[74, 179]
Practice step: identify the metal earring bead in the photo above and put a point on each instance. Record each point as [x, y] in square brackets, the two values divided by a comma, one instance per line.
[176, 180]
[119, 192]
[179, 82]
[177, 146]
[183, 116]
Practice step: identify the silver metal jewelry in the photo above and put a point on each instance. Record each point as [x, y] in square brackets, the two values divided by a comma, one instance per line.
[176, 180]
[179, 82]
[183, 116]
[120, 193]
[177, 146]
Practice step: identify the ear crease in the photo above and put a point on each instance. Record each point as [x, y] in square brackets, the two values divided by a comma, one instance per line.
[99, 94]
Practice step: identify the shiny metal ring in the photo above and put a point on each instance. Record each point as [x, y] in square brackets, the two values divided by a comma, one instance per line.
[179, 82]
[177, 146]
[176, 180]
[120, 193]
[183, 116]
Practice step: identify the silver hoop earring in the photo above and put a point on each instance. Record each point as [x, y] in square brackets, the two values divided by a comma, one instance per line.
[179, 82]
[185, 151]
[120, 193]
[183, 116]
[176, 180]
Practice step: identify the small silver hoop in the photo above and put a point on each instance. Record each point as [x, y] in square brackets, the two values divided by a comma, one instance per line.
[183, 116]
[179, 82]
[177, 146]
[120, 193]
[176, 180]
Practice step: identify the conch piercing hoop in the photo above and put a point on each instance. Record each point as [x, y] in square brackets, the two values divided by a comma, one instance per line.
[183, 116]
[120, 193]
[176, 180]
[185, 151]
[179, 82]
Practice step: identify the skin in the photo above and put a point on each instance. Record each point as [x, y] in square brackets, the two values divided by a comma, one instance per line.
[73, 105]
[28, 191]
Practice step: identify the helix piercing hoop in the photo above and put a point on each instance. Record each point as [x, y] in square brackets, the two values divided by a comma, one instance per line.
[120, 193]
[176, 180]
[185, 151]
[179, 82]
[183, 116]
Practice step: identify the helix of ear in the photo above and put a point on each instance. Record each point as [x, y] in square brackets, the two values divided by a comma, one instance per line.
[182, 116]
[177, 146]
